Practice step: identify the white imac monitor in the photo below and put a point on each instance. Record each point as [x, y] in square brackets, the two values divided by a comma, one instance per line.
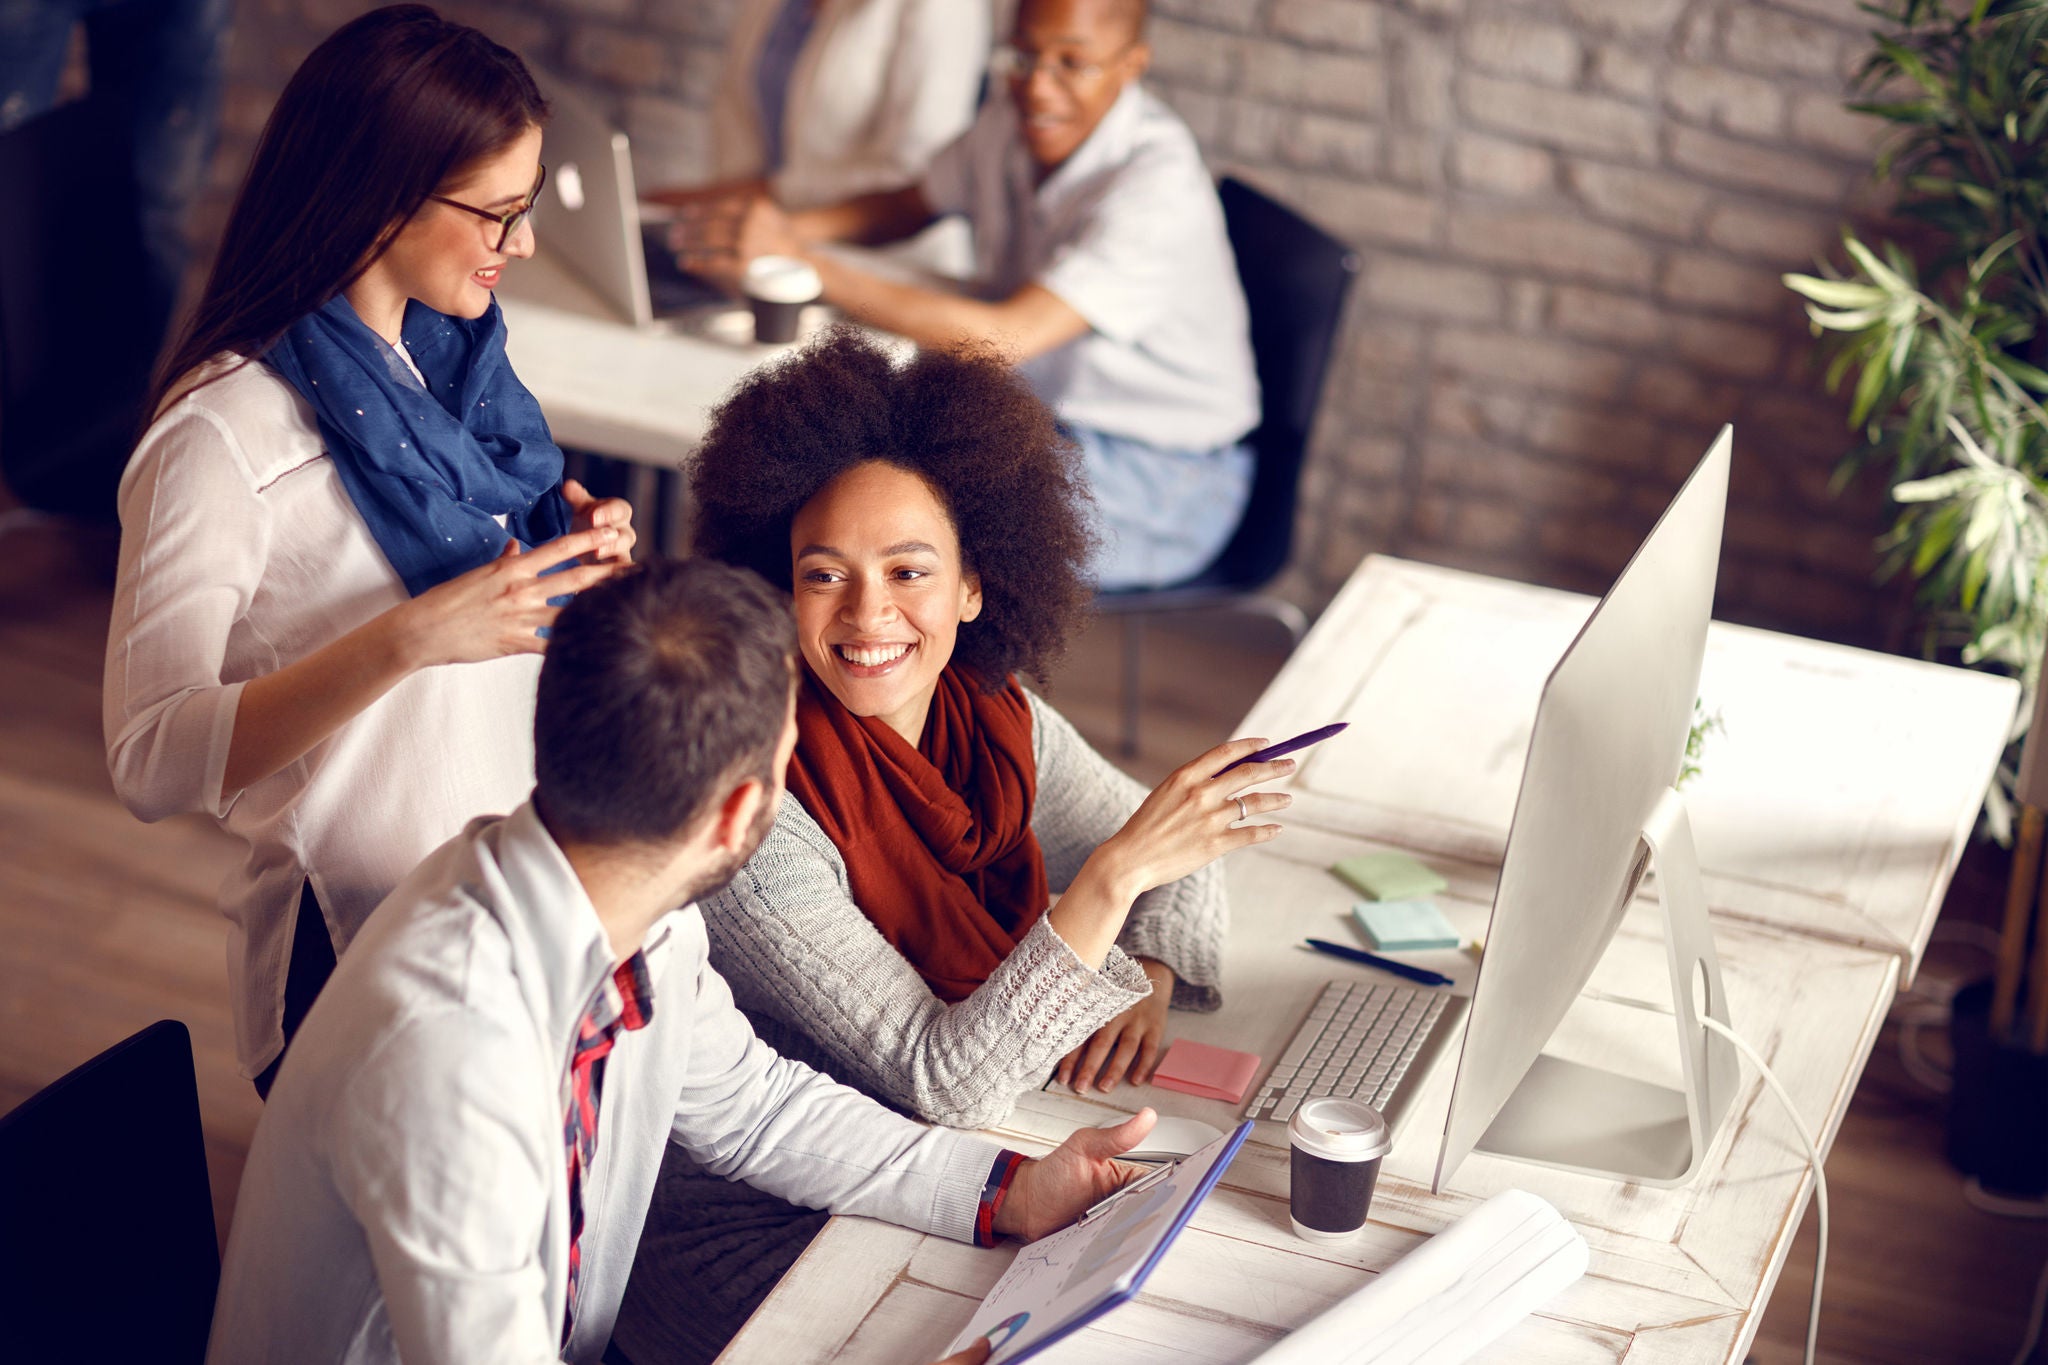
[1596, 809]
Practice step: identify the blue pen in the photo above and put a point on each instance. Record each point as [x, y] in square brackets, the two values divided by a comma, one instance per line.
[1385, 964]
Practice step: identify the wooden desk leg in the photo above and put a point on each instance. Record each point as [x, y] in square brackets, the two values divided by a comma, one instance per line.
[2012, 943]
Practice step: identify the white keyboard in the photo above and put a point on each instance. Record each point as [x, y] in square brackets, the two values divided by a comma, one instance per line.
[1361, 1041]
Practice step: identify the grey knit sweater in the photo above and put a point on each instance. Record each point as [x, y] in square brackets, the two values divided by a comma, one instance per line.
[822, 984]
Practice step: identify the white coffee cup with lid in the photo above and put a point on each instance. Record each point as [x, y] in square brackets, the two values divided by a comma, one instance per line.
[1334, 1151]
[779, 288]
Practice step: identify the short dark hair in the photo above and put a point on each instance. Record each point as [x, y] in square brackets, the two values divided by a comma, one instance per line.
[961, 420]
[660, 687]
[1129, 15]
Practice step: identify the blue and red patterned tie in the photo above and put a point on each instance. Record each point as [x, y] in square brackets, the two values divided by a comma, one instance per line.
[625, 1002]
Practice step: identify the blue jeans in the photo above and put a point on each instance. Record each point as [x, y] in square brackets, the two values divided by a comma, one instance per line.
[1163, 514]
[168, 58]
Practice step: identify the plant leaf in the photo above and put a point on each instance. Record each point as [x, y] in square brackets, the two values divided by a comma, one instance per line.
[1837, 293]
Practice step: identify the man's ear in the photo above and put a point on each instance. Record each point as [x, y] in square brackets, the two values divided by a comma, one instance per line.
[736, 815]
[1137, 61]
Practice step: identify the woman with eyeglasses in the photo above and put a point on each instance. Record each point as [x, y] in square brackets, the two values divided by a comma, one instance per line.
[346, 529]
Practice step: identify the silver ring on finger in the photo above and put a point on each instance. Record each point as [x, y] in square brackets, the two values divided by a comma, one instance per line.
[1242, 814]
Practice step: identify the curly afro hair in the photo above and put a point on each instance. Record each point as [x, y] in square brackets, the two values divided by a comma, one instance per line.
[961, 420]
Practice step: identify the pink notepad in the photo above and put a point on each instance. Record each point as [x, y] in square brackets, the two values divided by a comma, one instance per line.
[1214, 1073]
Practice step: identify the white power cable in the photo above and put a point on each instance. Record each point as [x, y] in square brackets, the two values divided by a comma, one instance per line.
[1820, 1179]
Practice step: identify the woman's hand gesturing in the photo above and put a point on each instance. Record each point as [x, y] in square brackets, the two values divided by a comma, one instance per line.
[500, 608]
[587, 513]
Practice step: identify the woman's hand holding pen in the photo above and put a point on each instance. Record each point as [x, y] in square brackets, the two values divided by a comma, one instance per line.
[499, 608]
[1195, 816]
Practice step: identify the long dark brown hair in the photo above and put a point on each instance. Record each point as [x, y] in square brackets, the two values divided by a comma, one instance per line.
[391, 108]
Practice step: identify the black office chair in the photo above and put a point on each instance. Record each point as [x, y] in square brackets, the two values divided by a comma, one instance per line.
[80, 316]
[1296, 278]
[107, 1251]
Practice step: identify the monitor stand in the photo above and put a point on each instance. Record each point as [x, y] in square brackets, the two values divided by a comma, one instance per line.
[1583, 1118]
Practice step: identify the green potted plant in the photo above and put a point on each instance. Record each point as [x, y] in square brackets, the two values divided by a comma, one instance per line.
[1947, 351]
[1947, 346]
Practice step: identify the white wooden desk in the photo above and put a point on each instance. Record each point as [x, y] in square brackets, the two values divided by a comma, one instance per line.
[1829, 818]
[633, 393]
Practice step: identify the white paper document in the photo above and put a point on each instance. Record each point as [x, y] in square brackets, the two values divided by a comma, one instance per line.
[1452, 1296]
[1061, 1283]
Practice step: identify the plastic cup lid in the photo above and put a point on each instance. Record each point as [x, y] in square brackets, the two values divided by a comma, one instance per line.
[1340, 1130]
[783, 279]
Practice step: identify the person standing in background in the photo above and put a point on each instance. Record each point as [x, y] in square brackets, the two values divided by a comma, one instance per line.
[95, 199]
[825, 99]
[822, 100]
[167, 58]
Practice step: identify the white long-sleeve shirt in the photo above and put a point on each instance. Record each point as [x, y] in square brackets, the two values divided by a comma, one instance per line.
[241, 553]
[406, 1195]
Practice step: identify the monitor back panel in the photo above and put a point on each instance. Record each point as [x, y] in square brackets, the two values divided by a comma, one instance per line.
[1608, 739]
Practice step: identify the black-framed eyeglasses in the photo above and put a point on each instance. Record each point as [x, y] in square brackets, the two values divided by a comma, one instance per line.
[1067, 68]
[510, 220]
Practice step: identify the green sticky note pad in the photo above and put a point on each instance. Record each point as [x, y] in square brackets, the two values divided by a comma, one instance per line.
[1404, 926]
[1389, 876]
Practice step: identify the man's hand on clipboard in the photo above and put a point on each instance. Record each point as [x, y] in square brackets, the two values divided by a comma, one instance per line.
[1051, 1192]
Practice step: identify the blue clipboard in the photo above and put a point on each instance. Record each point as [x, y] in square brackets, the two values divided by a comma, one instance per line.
[1062, 1282]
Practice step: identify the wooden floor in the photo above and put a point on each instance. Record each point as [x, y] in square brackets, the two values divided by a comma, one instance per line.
[108, 925]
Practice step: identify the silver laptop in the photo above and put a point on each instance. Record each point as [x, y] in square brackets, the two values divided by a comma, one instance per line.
[591, 214]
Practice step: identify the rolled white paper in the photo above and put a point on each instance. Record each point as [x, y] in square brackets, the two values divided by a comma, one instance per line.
[1451, 1297]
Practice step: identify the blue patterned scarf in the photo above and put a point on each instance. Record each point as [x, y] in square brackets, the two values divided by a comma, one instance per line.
[428, 469]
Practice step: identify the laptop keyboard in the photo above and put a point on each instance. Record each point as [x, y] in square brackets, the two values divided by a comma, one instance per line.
[1360, 1041]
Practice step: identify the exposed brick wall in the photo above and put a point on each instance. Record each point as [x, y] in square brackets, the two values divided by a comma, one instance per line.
[1571, 215]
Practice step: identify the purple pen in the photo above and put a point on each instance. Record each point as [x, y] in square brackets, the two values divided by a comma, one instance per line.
[1286, 746]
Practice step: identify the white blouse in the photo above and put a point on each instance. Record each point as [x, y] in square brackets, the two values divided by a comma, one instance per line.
[879, 87]
[241, 553]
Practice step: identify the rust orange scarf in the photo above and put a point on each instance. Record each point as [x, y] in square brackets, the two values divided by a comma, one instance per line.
[937, 839]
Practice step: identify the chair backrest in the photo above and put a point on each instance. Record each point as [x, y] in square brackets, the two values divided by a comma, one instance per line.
[107, 1248]
[1296, 278]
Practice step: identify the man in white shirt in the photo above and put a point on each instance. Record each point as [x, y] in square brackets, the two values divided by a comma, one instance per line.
[1104, 270]
[461, 1146]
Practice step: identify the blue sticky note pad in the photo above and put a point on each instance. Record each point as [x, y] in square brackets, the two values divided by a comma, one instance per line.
[1404, 926]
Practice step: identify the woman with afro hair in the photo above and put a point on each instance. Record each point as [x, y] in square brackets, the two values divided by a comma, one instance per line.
[897, 928]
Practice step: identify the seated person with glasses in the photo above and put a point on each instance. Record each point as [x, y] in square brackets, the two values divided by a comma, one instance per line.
[460, 1150]
[1103, 269]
